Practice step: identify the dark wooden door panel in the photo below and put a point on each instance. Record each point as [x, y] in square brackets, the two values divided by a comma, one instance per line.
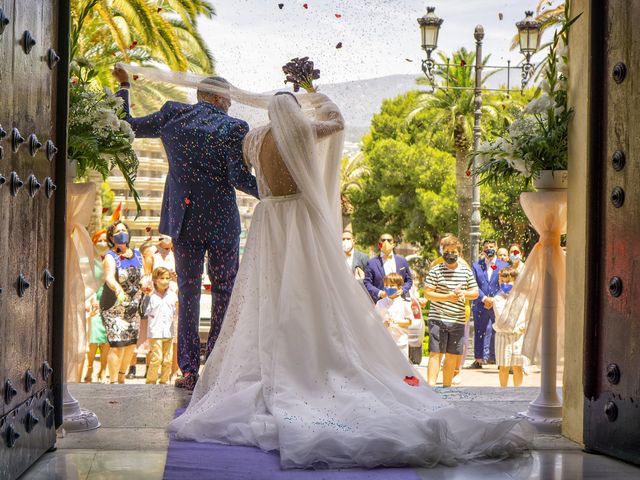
[612, 408]
[28, 102]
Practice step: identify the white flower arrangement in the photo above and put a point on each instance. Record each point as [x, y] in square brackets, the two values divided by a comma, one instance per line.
[537, 139]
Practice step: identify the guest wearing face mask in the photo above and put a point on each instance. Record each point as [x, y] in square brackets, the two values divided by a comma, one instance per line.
[467, 308]
[164, 257]
[516, 257]
[356, 260]
[97, 332]
[448, 285]
[384, 264]
[121, 297]
[486, 274]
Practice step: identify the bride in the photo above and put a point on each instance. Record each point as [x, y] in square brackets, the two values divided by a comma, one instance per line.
[303, 365]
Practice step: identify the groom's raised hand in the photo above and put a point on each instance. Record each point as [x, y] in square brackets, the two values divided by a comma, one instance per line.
[120, 74]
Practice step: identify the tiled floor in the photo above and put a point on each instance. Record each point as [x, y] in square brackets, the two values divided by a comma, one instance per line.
[148, 465]
[132, 441]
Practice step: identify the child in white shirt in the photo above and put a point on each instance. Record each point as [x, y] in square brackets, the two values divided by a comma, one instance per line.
[396, 311]
[509, 338]
[161, 312]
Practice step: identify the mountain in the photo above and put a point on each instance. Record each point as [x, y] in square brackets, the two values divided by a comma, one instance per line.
[358, 100]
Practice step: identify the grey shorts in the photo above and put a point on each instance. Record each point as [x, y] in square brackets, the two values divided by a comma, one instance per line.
[446, 337]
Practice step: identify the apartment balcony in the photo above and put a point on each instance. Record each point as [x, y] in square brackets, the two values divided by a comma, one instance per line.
[142, 183]
[147, 203]
[155, 164]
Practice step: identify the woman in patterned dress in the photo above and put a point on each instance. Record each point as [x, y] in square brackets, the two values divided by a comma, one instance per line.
[123, 271]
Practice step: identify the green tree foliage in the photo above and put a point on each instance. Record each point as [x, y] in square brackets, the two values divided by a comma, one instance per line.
[409, 188]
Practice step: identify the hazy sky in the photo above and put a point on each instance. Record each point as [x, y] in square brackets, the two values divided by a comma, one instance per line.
[252, 39]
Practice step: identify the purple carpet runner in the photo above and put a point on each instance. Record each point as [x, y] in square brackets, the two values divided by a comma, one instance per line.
[204, 461]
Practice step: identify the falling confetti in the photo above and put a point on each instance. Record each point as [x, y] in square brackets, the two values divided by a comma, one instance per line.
[305, 5]
[462, 63]
[159, 9]
[338, 15]
[281, 6]
[104, 210]
[339, 45]
[408, 60]
[500, 16]
[133, 45]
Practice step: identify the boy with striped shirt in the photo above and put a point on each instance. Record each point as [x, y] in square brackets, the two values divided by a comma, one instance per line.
[448, 285]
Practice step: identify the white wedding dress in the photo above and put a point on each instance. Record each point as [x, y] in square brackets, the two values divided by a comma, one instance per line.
[303, 364]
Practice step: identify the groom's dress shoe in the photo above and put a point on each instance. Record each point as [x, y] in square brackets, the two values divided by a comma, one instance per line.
[188, 382]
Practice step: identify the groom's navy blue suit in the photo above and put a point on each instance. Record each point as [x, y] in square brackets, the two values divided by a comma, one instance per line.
[199, 209]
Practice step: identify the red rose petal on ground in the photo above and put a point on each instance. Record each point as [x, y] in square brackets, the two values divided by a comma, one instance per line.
[105, 210]
[339, 45]
[136, 77]
[159, 9]
[305, 5]
[133, 45]
[412, 381]
[148, 229]
[467, 173]
[281, 6]
[462, 63]
[338, 15]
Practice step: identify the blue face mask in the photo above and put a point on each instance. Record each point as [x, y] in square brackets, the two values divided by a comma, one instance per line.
[490, 252]
[390, 290]
[121, 238]
[514, 258]
[505, 287]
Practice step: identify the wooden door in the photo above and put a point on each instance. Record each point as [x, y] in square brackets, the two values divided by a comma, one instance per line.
[33, 123]
[612, 353]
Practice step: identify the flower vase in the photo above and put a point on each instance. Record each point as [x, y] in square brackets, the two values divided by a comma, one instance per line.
[542, 286]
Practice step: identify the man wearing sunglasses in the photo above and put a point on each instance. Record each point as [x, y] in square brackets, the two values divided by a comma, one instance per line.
[385, 263]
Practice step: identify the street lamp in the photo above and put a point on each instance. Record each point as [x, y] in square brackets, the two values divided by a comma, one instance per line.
[429, 29]
[529, 31]
[529, 39]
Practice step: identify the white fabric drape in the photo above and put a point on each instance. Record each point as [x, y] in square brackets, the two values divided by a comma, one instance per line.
[547, 211]
[79, 275]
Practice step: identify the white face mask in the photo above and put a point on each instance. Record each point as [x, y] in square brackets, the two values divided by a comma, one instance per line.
[347, 245]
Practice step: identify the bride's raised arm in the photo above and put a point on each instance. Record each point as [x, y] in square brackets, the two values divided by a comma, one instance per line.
[328, 119]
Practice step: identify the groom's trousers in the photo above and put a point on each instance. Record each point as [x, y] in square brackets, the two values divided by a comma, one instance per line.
[222, 267]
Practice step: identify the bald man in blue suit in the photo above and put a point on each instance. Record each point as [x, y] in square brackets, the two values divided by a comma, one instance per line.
[199, 209]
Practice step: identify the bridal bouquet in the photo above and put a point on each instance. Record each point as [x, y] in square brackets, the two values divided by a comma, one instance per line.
[300, 72]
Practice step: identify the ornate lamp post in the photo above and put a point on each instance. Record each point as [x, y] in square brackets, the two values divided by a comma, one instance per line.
[529, 35]
[529, 31]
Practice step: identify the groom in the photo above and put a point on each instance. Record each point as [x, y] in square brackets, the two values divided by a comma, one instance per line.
[199, 210]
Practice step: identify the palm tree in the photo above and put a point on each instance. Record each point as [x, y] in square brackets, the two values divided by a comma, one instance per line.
[105, 32]
[352, 171]
[452, 109]
[165, 30]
